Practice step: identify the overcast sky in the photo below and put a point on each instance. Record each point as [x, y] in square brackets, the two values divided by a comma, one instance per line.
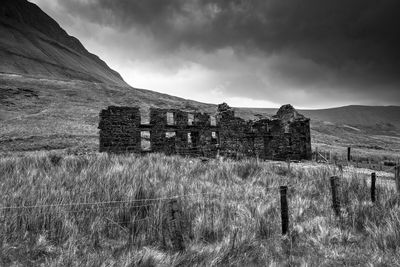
[259, 53]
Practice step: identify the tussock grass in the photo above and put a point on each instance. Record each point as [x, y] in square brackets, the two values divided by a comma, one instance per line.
[230, 213]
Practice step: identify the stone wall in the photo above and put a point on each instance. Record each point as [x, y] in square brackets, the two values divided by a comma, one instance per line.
[120, 129]
[171, 131]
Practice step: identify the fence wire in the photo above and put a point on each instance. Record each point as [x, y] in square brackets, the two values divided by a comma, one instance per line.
[77, 204]
[102, 204]
[104, 207]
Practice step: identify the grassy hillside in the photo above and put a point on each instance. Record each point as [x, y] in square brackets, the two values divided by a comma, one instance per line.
[113, 211]
[358, 115]
[47, 114]
[386, 118]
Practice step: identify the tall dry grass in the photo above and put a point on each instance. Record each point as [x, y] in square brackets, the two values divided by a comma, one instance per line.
[230, 213]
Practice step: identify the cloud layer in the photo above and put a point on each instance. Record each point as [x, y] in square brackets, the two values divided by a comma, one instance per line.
[310, 53]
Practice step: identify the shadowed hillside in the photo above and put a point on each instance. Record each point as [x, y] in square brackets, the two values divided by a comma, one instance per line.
[52, 89]
[33, 43]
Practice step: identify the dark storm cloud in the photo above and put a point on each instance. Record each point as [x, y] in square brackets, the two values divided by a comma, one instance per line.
[365, 30]
[342, 45]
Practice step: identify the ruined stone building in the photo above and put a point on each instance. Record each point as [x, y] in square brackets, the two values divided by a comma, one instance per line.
[284, 136]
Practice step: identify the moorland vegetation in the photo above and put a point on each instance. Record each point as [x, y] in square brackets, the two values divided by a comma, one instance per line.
[112, 210]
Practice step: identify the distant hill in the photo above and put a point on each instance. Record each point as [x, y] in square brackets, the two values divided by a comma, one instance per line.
[358, 115]
[369, 116]
[32, 43]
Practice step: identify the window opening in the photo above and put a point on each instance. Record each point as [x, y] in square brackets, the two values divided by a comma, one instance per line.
[214, 138]
[170, 134]
[287, 130]
[145, 143]
[189, 138]
[190, 119]
[213, 121]
[170, 118]
[195, 138]
[144, 116]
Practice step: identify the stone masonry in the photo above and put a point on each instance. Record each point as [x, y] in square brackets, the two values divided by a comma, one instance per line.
[171, 131]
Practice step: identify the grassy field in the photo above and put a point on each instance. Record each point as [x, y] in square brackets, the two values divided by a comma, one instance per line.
[230, 213]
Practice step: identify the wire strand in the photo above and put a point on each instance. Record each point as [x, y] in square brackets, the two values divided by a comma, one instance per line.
[99, 203]
[94, 204]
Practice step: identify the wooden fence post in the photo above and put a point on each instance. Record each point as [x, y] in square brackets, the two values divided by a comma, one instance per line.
[397, 178]
[373, 182]
[316, 154]
[233, 238]
[284, 210]
[335, 195]
[175, 225]
[349, 154]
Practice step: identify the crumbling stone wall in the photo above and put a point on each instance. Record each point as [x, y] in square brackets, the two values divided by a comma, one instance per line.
[119, 129]
[284, 136]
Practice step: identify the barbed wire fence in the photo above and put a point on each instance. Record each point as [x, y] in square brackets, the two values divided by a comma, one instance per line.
[358, 160]
[132, 216]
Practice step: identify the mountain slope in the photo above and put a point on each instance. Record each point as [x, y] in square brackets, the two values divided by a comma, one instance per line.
[33, 43]
[48, 113]
[52, 89]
